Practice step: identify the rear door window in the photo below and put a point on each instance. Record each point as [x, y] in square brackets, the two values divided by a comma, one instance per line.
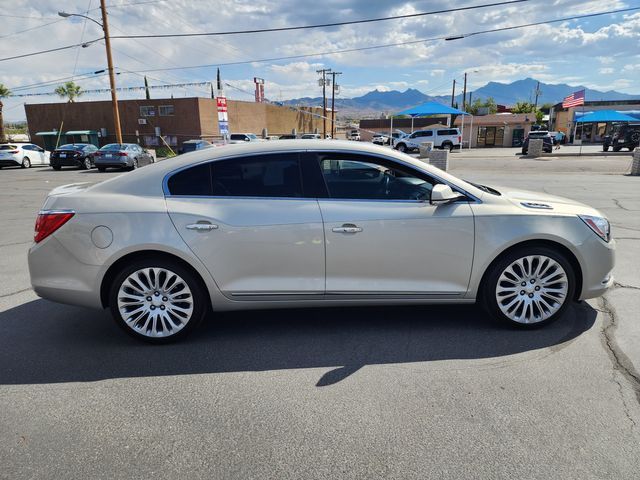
[447, 132]
[275, 175]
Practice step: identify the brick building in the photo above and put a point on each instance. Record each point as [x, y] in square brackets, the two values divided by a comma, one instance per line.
[175, 119]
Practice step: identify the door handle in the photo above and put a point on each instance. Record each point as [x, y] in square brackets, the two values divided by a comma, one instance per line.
[202, 227]
[347, 228]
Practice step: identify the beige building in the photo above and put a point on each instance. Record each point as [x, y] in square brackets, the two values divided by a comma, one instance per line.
[496, 130]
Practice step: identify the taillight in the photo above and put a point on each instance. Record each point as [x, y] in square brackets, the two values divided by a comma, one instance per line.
[48, 221]
[459, 138]
[14, 151]
[122, 154]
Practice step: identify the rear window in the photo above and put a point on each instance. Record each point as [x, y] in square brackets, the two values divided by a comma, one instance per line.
[8, 147]
[113, 147]
[70, 147]
[257, 176]
[448, 132]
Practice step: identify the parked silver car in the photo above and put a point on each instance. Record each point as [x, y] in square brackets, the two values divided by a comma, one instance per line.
[308, 223]
[122, 155]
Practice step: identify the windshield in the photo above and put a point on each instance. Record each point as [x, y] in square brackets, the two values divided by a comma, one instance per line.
[252, 136]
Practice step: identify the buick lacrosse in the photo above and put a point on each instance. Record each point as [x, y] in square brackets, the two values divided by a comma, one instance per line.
[311, 223]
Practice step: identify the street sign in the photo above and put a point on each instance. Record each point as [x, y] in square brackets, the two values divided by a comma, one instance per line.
[223, 116]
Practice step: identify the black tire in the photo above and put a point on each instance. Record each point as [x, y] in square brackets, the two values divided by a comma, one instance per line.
[26, 163]
[134, 164]
[488, 297]
[401, 148]
[56, 167]
[615, 149]
[524, 152]
[605, 148]
[102, 169]
[195, 285]
[86, 164]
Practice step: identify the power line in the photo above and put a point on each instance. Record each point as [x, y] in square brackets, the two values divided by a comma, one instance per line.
[323, 25]
[388, 45]
[334, 52]
[31, 28]
[51, 50]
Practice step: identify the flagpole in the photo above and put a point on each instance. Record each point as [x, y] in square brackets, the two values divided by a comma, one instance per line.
[582, 132]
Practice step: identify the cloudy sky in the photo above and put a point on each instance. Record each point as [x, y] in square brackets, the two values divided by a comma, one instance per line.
[601, 53]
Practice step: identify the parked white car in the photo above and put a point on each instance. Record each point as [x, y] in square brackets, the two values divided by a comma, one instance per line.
[448, 138]
[22, 155]
[380, 139]
[308, 223]
[311, 136]
[244, 137]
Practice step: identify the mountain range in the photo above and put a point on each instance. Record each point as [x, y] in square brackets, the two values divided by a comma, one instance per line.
[503, 93]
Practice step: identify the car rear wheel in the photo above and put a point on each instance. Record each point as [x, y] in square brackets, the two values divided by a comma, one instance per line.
[157, 300]
[134, 164]
[447, 146]
[86, 164]
[529, 287]
[616, 149]
[56, 167]
[102, 169]
[26, 163]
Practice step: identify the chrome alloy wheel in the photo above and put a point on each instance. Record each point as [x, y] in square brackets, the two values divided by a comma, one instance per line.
[155, 302]
[532, 289]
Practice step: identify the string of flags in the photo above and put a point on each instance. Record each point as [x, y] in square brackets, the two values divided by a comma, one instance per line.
[123, 89]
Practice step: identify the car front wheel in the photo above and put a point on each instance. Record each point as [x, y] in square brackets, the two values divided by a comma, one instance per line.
[157, 301]
[402, 148]
[529, 287]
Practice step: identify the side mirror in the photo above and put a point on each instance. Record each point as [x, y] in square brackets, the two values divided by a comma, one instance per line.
[443, 194]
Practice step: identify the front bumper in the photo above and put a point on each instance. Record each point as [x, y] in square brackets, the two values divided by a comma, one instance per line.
[598, 260]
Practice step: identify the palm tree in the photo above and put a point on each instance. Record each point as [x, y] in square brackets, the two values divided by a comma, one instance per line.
[69, 90]
[4, 92]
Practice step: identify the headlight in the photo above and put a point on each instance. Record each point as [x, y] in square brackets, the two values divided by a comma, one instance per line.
[599, 225]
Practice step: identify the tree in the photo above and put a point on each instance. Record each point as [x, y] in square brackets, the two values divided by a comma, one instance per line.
[69, 90]
[523, 107]
[489, 103]
[4, 92]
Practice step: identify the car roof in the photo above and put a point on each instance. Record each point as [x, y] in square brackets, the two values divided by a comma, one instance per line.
[148, 181]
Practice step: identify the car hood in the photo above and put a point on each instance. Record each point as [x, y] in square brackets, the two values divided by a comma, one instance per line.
[544, 202]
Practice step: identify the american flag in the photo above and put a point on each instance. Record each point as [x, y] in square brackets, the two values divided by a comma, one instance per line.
[573, 100]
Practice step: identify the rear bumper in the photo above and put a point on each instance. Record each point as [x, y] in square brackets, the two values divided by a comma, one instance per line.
[59, 276]
[9, 162]
[66, 162]
[112, 162]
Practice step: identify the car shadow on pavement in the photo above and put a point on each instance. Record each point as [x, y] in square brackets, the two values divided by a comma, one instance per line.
[44, 342]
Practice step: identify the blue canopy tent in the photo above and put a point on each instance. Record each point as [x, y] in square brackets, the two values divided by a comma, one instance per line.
[604, 116]
[429, 108]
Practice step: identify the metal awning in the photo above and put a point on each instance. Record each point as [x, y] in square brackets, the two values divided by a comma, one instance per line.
[48, 134]
[81, 132]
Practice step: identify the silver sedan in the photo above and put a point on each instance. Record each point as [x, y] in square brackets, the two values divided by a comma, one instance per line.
[311, 223]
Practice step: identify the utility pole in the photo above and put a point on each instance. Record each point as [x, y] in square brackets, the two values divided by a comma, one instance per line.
[464, 94]
[323, 82]
[453, 99]
[537, 92]
[112, 78]
[333, 102]
[453, 93]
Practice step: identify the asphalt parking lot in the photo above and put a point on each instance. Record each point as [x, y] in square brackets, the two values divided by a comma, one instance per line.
[419, 392]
